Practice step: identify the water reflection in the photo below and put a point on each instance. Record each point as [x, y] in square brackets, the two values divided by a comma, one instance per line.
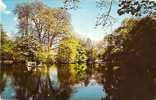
[90, 92]
[53, 74]
[70, 82]
[8, 91]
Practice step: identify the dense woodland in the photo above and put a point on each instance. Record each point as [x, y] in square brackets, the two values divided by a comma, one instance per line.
[127, 55]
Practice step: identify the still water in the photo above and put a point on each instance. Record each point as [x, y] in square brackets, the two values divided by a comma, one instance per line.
[50, 82]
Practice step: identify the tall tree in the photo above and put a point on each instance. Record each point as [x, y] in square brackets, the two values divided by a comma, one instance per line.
[46, 24]
[23, 12]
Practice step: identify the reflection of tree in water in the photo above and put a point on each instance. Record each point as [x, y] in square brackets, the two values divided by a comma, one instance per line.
[36, 85]
[66, 80]
[93, 71]
[80, 71]
[2, 82]
[40, 84]
[30, 85]
[72, 73]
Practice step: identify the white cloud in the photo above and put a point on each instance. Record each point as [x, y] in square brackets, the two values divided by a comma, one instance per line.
[2, 6]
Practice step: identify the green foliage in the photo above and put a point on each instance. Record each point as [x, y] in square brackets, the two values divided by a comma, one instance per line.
[80, 71]
[45, 55]
[89, 50]
[26, 48]
[6, 46]
[40, 26]
[70, 51]
[67, 52]
[81, 55]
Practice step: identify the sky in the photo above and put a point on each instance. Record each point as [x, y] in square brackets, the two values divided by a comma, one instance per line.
[83, 19]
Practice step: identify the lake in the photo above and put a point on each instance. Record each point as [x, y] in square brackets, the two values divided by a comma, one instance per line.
[51, 82]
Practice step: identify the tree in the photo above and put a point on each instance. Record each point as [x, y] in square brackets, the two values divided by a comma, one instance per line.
[132, 7]
[91, 51]
[82, 55]
[26, 48]
[6, 49]
[71, 51]
[45, 23]
[130, 61]
[68, 50]
[71, 4]
[23, 12]
[137, 7]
